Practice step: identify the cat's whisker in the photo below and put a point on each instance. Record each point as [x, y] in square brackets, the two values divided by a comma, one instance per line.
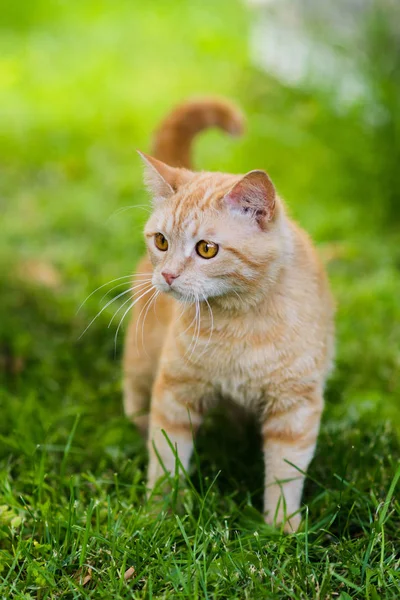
[115, 287]
[106, 306]
[125, 208]
[193, 322]
[212, 323]
[136, 288]
[140, 289]
[102, 310]
[196, 332]
[126, 312]
[154, 309]
[240, 298]
[120, 285]
[194, 318]
[137, 327]
[118, 310]
[153, 300]
[148, 302]
[199, 327]
[102, 286]
[138, 320]
[185, 300]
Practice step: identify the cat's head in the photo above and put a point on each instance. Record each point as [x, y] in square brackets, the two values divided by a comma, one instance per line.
[212, 235]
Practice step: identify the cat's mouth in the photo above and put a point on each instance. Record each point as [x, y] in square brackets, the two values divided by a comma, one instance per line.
[180, 296]
[184, 296]
[171, 289]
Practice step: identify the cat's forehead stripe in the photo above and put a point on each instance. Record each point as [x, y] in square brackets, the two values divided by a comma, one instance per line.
[185, 214]
[168, 222]
[192, 193]
[208, 195]
[200, 194]
[219, 189]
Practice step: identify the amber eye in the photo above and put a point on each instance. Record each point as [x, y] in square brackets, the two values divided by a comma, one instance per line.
[160, 242]
[206, 249]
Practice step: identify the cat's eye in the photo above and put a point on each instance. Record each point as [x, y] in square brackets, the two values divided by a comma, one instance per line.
[161, 242]
[206, 249]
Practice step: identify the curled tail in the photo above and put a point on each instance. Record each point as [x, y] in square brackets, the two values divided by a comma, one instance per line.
[173, 139]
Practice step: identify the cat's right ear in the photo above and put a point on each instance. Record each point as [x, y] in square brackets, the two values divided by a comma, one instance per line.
[255, 196]
[161, 180]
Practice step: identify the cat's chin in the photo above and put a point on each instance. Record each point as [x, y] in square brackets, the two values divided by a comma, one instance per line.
[183, 298]
[168, 291]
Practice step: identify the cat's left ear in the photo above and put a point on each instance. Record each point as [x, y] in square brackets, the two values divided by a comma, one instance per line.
[254, 195]
[161, 179]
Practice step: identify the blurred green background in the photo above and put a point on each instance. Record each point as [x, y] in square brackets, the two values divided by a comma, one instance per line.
[82, 86]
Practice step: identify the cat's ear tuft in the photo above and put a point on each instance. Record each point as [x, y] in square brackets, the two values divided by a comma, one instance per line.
[161, 180]
[254, 195]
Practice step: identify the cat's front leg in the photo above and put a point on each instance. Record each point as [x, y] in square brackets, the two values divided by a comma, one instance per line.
[290, 432]
[174, 414]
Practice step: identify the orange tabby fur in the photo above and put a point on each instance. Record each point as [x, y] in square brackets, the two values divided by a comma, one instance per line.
[261, 332]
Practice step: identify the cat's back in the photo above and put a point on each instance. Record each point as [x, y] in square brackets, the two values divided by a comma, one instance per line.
[307, 281]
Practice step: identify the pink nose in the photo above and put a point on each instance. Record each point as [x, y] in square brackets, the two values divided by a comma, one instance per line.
[169, 277]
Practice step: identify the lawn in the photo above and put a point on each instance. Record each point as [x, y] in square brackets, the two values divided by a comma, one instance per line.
[82, 85]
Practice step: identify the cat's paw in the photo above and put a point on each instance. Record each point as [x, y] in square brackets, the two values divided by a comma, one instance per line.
[167, 496]
[290, 524]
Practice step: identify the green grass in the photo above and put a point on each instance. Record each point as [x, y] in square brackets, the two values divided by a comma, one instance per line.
[82, 86]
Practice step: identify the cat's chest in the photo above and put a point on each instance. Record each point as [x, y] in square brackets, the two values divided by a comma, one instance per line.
[241, 369]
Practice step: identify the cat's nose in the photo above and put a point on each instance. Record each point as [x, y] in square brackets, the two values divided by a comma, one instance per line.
[169, 277]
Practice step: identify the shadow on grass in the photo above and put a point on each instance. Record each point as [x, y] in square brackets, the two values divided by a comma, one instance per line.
[346, 484]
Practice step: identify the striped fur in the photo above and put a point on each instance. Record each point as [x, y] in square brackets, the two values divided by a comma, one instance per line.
[261, 332]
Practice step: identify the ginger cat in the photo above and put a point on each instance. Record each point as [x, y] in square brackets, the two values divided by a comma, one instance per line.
[242, 309]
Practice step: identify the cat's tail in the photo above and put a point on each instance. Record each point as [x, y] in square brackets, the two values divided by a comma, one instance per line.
[173, 139]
